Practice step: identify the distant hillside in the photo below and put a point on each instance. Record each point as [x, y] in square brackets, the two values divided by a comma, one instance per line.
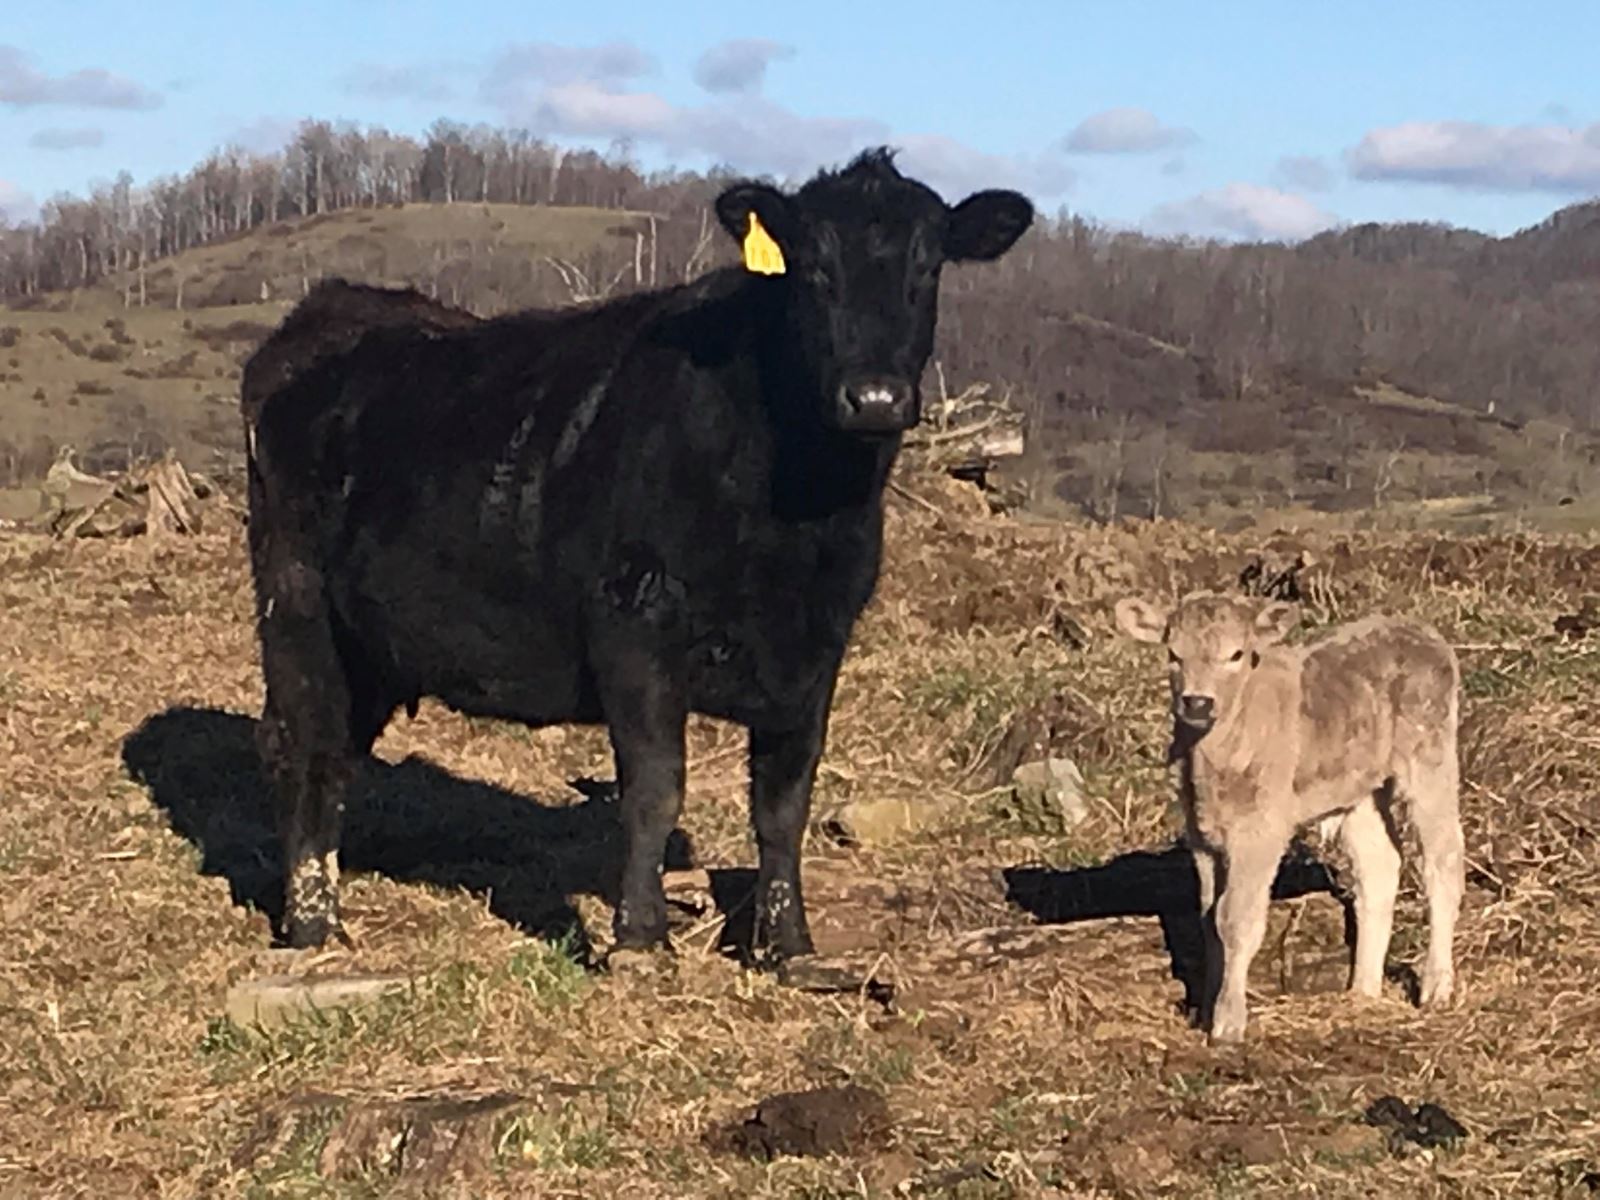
[490, 256]
[1410, 368]
[78, 367]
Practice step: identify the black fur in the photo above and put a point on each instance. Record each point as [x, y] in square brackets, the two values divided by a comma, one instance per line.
[667, 503]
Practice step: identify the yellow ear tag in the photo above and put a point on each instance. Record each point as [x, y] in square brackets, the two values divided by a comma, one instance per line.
[761, 253]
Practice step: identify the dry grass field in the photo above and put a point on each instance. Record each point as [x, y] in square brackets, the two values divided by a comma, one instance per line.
[120, 381]
[1033, 1043]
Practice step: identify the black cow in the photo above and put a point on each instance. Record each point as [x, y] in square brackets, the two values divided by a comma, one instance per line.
[663, 504]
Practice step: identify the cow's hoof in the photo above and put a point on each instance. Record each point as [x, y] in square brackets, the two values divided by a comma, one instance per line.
[314, 934]
[774, 947]
[641, 962]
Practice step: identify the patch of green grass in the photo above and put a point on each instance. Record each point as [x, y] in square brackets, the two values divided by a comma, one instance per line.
[1488, 683]
[552, 971]
[976, 700]
[1191, 1085]
[1229, 1180]
[561, 1141]
[294, 1170]
[13, 853]
[887, 1068]
[1012, 1119]
[439, 1016]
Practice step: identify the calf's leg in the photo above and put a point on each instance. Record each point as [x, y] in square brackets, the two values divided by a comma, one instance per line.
[1241, 920]
[1375, 863]
[1435, 811]
[1206, 866]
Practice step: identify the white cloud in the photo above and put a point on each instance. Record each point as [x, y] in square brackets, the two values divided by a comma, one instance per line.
[1467, 154]
[414, 81]
[1126, 131]
[588, 109]
[23, 85]
[590, 93]
[67, 139]
[1304, 171]
[956, 169]
[1249, 211]
[519, 74]
[15, 204]
[739, 65]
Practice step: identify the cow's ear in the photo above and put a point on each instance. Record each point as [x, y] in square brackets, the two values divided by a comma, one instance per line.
[1141, 620]
[771, 208]
[986, 224]
[1274, 622]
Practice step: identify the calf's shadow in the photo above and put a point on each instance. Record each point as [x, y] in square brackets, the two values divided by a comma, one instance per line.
[412, 821]
[1155, 883]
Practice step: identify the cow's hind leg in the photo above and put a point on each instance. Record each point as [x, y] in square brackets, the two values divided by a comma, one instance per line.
[783, 768]
[645, 710]
[307, 746]
[1375, 863]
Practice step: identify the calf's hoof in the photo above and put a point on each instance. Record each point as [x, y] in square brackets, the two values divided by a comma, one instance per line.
[1436, 989]
[1226, 1028]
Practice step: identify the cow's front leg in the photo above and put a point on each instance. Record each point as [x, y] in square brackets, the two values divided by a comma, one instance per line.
[783, 767]
[645, 710]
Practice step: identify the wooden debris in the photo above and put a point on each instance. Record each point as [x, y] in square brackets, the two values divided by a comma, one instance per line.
[968, 436]
[160, 498]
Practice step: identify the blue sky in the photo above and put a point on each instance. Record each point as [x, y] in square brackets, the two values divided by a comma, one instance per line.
[1233, 119]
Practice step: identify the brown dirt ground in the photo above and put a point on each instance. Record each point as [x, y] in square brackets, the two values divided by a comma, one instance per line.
[1035, 1045]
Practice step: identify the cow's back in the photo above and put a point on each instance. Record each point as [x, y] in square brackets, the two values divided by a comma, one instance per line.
[332, 320]
[1377, 696]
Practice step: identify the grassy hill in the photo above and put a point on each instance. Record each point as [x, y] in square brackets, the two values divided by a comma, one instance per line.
[82, 368]
[1123, 423]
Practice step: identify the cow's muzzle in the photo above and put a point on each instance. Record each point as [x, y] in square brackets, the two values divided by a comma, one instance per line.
[875, 404]
[1197, 713]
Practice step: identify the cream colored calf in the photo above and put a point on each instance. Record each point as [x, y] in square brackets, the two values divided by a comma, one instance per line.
[1268, 738]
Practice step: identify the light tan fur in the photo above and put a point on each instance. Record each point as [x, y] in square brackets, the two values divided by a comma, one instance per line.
[1336, 730]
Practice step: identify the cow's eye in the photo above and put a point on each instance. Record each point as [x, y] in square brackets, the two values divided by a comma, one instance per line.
[1236, 656]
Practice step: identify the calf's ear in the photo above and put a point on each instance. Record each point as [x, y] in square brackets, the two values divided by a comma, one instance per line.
[770, 207]
[1141, 620]
[986, 224]
[1274, 622]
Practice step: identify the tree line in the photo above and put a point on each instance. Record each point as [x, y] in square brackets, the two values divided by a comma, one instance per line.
[1079, 319]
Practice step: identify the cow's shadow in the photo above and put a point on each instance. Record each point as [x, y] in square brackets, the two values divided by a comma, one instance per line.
[1153, 883]
[412, 821]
